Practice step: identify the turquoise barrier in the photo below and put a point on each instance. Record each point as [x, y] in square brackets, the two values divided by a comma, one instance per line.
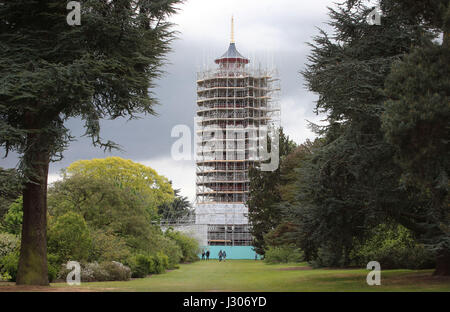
[233, 252]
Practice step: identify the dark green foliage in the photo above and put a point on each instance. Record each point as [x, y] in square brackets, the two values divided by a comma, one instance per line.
[353, 182]
[416, 123]
[283, 254]
[10, 189]
[51, 72]
[264, 215]
[178, 209]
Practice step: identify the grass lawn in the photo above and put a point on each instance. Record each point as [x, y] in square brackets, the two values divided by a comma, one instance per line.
[250, 275]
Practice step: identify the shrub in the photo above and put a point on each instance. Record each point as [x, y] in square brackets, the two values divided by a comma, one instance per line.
[108, 247]
[12, 221]
[328, 255]
[158, 263]
[189, 245]
[394, 247]
[9, 265]
[8, 243]
[173, 252]
[99, 272]
[140, 265]
[4, 277]
[53, 265]
[68, 237]
[143, 265]
[283, 254]
[116, 271]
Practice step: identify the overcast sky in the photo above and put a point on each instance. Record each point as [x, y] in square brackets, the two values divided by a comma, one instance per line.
[273, 32]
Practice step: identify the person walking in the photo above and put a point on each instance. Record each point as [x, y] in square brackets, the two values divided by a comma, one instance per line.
[203, 254]
[224, 255]
[207, 254]
[220, 255]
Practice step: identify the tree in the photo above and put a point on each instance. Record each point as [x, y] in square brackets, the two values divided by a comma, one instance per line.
[52, 72]
[179, 208]
[10, 188]
[264, 194]
[127, 175]
[416, 122]
[106, 207]
[69, 238]
[12, 221]
[351, 183]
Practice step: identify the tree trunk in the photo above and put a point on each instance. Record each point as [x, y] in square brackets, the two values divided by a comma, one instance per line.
[442, 264]
[33, 250]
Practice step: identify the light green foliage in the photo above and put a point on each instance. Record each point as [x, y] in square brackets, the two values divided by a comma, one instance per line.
[8, 243]
[12, 221]
[393, 247]
[189, 245]
[9, 265]
[283, 254]
[128, 175]
[105, 207]
[53, 266]
[143, 265]
[107, 246]
[69, 238]
[170, 248]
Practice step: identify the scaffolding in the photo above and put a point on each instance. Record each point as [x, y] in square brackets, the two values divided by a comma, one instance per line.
[236, 107]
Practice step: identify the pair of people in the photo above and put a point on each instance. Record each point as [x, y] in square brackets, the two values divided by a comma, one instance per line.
[205, 254]
[222, 255]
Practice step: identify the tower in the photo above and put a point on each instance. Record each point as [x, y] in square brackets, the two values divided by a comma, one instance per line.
[234, 103]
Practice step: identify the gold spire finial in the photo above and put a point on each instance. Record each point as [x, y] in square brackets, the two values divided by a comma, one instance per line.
[232, 29]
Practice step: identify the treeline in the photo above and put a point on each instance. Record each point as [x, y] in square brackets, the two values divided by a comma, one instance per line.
[105, 214]
[374, 184]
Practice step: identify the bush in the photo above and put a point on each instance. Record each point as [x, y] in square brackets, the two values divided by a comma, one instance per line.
[189, 246]
[173, 252]
[12, 221]
[53, 266]
[158, 263]
[283, 254]
[143, 265]
[140, 265]
[108, 247]
[328, 255]
[116, 271]
[8, 243]
[69, 238]
[9, 265]
[99, 272]
[394, 247]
